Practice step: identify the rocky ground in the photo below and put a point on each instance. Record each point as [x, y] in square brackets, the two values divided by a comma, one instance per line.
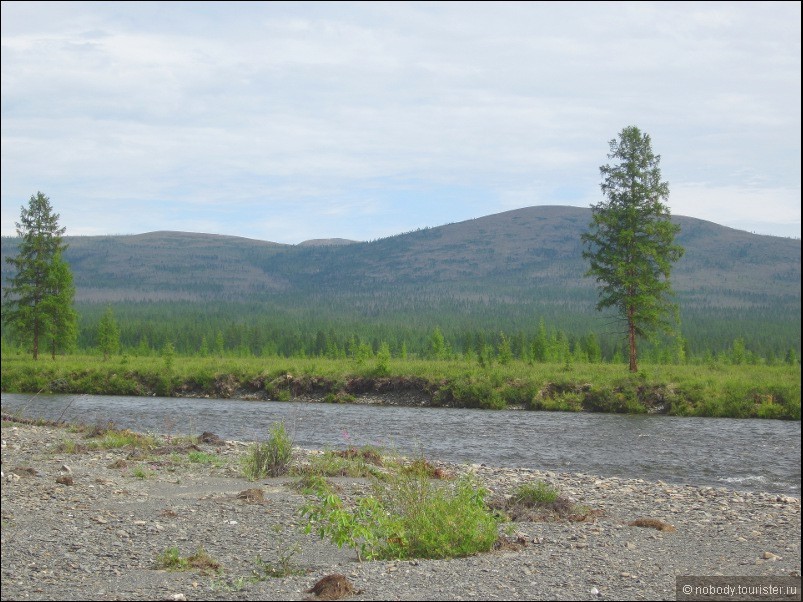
[92, 524]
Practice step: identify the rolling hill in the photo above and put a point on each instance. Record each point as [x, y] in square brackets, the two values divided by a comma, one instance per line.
[508, 269]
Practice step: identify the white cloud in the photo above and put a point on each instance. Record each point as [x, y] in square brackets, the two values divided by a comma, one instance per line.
[210, 105]
[768, 210]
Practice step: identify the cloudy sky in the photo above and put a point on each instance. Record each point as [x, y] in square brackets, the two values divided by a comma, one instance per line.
[291, 121]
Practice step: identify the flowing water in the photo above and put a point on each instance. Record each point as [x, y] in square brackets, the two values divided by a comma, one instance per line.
[759, 455]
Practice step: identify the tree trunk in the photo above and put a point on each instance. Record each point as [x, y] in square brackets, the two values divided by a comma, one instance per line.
[631, 335]
[36, 339]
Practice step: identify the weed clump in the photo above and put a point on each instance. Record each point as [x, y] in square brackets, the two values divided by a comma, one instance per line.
[270, 458]
[313, 484]
[172, 560]
[423, 467]
[351, 462]
[367, 454]
[535, 495]
[540, 501]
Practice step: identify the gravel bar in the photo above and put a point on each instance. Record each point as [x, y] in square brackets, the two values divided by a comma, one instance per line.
[90, 525]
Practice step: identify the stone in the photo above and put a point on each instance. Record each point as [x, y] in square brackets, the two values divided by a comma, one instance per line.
[332, 587]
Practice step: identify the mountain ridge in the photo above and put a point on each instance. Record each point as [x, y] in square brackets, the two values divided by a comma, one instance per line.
[506, 269]
[533, 242]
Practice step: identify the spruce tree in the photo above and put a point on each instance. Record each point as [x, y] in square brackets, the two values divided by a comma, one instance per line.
[38, 300]
[108, 334]
[64, 319]
[630, 242]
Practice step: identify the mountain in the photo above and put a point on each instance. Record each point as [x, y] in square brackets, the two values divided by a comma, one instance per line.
[521, 264]
[326, 242]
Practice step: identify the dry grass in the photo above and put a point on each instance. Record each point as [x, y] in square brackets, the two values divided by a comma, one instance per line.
[652, 523]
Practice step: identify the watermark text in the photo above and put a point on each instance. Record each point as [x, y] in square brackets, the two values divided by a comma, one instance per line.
[737, 588]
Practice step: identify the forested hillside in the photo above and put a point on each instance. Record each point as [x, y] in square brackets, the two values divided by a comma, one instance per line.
[510, 272]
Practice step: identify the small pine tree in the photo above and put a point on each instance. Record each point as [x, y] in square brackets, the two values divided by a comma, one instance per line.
[505, 352]
[64, 319]
[108, 334]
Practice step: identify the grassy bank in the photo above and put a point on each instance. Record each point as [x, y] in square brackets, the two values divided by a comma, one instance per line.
[743, 391]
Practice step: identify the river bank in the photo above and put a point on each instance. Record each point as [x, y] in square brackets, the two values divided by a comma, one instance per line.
[711, 390]
[91, 525]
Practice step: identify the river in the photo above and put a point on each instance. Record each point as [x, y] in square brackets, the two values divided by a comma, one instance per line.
[758, 455]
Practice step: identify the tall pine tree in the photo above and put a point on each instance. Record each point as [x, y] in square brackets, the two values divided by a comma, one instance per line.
[630, 242]
[39, 299]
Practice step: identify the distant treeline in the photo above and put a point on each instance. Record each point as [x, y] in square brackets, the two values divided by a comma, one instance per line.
[474, 331]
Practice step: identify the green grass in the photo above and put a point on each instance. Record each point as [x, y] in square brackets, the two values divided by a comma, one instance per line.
[124, 438]
[540, 501]
[141, 473]
[713, 389]
[199, 457]
[172, 560]
[332, 463]
[535, 494]
[313, 484]
[269, 458]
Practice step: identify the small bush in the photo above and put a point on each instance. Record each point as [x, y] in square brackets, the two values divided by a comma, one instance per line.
[284, 566]
[100, 428]
[438, 521]
[202, 561]
[408, 517]
[271, 458]
[339, 397]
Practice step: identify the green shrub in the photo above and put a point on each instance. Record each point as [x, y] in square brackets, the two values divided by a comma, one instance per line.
[408, 517]
[437, 520]
[563, 402]
[282, 395]
[270, 458]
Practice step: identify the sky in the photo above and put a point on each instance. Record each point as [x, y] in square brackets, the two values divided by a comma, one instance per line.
[294, 121]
